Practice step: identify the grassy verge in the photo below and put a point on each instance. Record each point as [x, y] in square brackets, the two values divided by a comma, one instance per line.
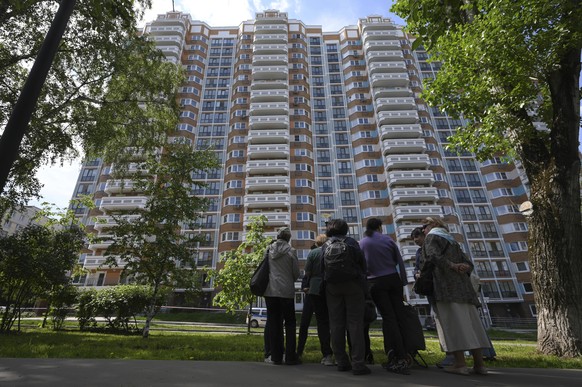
[225, 347]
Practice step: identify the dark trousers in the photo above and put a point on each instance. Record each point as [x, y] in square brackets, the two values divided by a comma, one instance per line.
[386, 291]
[281, 312]
[315, 304]
[345, 302]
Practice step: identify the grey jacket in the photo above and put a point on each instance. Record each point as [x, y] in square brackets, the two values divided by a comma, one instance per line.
[449, 286]
[283, 270]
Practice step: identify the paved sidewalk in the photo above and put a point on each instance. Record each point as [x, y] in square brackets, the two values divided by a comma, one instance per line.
[98, 372]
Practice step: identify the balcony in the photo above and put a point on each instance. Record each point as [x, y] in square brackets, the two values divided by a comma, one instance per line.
[385, 56]
[266, 49]
[266, 136]
[104, 242]
[403, 146]
[408, 252]
[379, 45]
[387, 67]
[131, 168]
[403, 232]
[269, 95]
[117, 186]
[269, 109]
[98, 261]
[268, 151]
[260, 183]
[103, 222]
[280, 28]
[273, 218]
[400, 131]
[266, 200]
[267, 167]
[416, 212]
[275, 122]
[389, 80]
[270, 84]
[265, 60]
[381, 35]
[385, 24]
[269, 38]
[407, 162]
[410, 177]
[117, 203]
[398, 117]
[380, 92]
[400, 195]
[175, 41]
[270, 72]
[406, 103]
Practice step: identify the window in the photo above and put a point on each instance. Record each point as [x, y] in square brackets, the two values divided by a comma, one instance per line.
[231, 218]
[305, 235]
[236, 168]
[237, 153]
[521, 266]
[350, 215]
[346, 182]
[230, 236]
[517, 246]
[324, 170]
[233, 201]
[305, 217]
[303, 183]
[234, 184]
[348, 198]
[302, 152]
[304, 199]
[302, 167]
[325, 186]
[371, 178]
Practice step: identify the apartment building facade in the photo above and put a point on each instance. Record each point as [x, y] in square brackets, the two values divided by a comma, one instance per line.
[312, 125]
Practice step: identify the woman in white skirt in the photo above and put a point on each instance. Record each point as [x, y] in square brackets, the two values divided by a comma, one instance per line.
[458, 324]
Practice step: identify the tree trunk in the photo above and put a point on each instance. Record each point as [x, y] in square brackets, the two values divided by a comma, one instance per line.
[555, 234]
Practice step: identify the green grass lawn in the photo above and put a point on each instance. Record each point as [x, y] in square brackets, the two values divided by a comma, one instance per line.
[236, 346]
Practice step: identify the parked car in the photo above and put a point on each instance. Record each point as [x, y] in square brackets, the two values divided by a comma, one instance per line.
[258, 317]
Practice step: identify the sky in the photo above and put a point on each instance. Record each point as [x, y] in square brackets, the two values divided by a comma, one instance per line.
[59, 181]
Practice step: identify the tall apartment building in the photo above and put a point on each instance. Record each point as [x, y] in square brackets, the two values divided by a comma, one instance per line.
[312, 125]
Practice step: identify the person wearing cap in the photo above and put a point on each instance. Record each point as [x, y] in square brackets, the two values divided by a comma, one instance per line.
[280, 299]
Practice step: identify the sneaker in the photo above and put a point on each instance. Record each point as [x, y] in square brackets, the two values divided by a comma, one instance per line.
[448, 361]
[362, 371]
[399, 366]
[328, 361]
[268, 360]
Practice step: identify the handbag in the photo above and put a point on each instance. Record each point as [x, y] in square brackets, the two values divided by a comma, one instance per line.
[260, 278]
[424, 284]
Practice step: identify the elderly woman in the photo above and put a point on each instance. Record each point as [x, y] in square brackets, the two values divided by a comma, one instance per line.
[458, 324]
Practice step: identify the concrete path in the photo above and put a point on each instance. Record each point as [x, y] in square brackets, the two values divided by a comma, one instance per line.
[142, 373]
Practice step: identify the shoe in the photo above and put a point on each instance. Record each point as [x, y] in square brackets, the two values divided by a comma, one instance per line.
[268, 360]
[399, 366]
[344, 368]
[328, 360]
[479, 371]
[362, 371]
[457, 370]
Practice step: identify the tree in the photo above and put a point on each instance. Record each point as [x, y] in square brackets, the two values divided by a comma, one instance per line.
[508, 65]
[106, 82]
[32, 262]
[234, 277]
[152, 248]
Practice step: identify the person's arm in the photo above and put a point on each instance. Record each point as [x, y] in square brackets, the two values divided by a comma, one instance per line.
[401, 267]
[296, 271]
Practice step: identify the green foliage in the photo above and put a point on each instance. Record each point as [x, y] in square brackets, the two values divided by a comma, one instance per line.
[118, 305]
[32, 262]
[62, 297]
[108, 86]
[497, 58]
[234, 277]
[149, 243]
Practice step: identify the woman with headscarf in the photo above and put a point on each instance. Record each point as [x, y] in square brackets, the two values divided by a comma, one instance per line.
[458, 324]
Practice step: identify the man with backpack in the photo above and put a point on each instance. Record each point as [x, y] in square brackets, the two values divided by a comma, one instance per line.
[344, 270]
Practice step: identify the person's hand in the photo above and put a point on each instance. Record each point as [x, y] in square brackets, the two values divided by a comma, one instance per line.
[461, 267]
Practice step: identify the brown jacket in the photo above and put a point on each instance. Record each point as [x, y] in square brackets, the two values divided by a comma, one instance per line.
[450, 286]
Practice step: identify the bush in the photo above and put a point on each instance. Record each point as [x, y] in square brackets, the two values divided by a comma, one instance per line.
[62, 300]
[118, 305]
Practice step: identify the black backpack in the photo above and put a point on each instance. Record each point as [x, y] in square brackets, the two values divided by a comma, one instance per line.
[339, 261]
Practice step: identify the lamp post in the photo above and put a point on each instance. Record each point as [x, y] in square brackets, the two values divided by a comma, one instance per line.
[486, 317]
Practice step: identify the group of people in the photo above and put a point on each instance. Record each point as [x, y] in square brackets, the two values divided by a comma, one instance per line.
[376, 273]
